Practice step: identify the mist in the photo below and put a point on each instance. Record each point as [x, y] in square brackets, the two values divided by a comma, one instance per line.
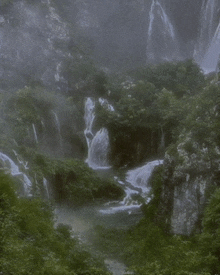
[39, 38]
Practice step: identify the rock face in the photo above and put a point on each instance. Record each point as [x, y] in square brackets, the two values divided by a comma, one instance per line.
[127, 34]
[38, 37]
[189, 177]
[31, 39]
[188, 204]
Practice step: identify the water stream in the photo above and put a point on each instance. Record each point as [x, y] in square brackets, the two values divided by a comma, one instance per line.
[115, 214]
[8, 165]
[84, 222]
[208, 49]
[35, 133]
[162, 42]
[97, 142]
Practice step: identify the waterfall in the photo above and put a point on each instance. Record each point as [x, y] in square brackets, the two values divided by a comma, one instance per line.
[98, 150]
[57, 74]
[206, 29]
[45, 183]
[106, 105]
[98, 143]
[89, 119]
[35, 133]
[136, 185]
[10, 167]
[211, 58]
[207, 49]
[20, 161]
[139, 177]
[57, 122]
[162, 44]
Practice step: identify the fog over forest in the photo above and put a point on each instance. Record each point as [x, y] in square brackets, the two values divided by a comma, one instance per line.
[38, 37]
[109, 137]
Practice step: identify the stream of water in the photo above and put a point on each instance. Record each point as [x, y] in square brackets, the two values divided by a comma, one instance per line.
[112, 215]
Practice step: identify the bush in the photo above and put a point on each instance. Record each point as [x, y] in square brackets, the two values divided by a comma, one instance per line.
[29, 244]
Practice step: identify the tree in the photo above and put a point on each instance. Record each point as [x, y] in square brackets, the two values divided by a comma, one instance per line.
[210, 238]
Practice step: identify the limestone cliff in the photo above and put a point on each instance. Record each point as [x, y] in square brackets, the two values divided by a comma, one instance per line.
[33, 44]
[189, 179]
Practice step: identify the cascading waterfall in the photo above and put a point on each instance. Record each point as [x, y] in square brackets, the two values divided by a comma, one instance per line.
[98, 150]
[10, 167]
[211, 58]
[106, 105]
[208, 49]
[20, 161]
[206, 29]
[35, 133]
[162, 44]
[136, 183]
[139, 177]
[98, 144]
[45, 183]
[89, 118]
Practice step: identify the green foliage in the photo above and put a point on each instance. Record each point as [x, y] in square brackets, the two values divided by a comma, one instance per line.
[210, 238]
[109, 241]
[163, 104]
[29, 244]
[84, 79]
[147, 249]
[203, 120]
[212, 215]
[153, 252]
[133, 124]
[149, 107]
[181, 78]
[28, 106]
[156, 182]
[72, 181]
[56, 119]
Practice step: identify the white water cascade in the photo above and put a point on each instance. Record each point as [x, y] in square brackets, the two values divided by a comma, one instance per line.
[45, 183]
[9, 166]
[211, 58]
[208, 49]
[162, 43]
[98, 143]
[35, 133]
[139, 177]
[89, 118]
[20, 161]
[98, 150]
[136, 184]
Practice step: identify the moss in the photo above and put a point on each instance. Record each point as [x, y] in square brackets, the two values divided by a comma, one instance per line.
[156, 182]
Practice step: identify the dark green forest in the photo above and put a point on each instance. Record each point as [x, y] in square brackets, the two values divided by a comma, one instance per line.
[29, 243]
[169, 110]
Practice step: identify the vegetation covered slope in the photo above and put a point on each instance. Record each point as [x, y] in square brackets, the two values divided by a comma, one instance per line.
[29, 243]
[169, 109]
[178, 112]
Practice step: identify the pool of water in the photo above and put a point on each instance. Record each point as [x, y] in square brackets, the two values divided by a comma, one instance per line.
[86, 218]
